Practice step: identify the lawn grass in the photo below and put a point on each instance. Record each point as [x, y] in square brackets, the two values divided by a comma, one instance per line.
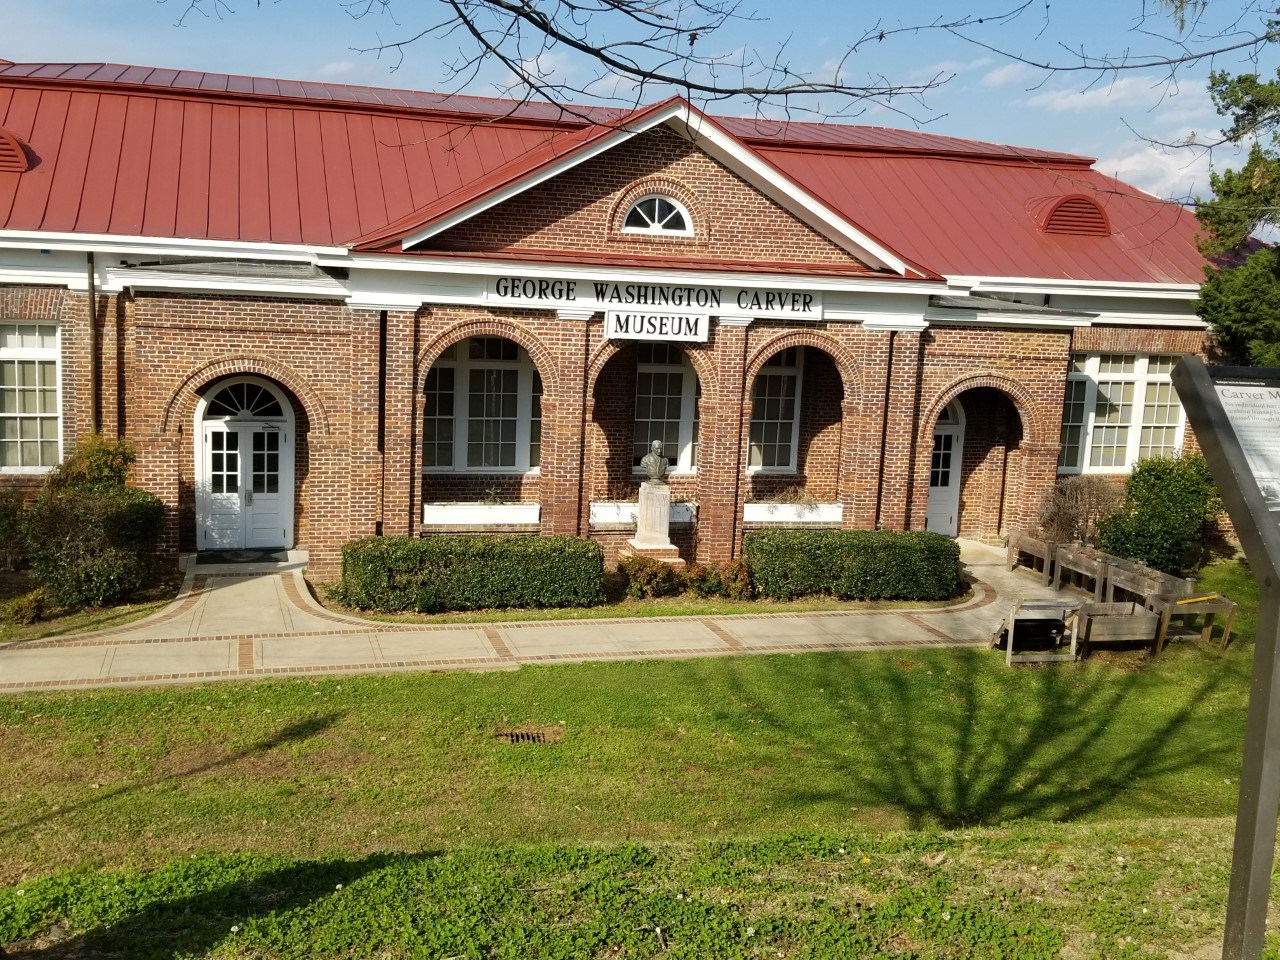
[704, 797]
[1029, 892]
[60, 620]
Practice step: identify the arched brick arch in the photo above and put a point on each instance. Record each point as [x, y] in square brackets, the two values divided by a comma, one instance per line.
[846, 365]
[182, 402]
[490, 327]
[1035, 430]
[701, 364]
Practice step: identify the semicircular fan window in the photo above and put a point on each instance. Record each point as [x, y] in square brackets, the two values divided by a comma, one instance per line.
[657, 214]
[243, 401]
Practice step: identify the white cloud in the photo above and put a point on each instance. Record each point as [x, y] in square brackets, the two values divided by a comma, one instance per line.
[946, 68]
[1010, 73]
[1127, 91]
[1176, 173]
[338, 68]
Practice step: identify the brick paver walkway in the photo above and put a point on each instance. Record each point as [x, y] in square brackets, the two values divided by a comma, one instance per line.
[226, 626]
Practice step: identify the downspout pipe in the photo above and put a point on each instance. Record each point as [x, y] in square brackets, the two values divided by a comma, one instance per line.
[95, 417]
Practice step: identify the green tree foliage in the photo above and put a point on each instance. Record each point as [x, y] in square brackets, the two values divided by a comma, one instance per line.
[1242, 300]
[1243, 304]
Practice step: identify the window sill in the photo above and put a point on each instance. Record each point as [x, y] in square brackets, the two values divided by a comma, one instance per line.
[448, 472]
[26, 471]
[773, 471]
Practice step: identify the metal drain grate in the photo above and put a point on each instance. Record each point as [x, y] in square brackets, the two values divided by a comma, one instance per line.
[531, 735]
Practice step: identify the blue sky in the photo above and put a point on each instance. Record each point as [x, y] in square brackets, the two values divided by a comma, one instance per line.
[986, 96]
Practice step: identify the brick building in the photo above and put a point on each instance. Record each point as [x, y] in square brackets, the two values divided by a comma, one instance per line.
[323, 312]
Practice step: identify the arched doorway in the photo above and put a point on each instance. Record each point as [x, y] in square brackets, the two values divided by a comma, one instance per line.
[244, 466]
[943, 512]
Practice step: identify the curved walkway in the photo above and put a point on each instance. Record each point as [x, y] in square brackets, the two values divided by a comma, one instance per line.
[228, 626]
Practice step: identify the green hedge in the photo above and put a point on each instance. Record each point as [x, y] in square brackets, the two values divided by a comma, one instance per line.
[93, 546]
[471, 573]
[853, 564]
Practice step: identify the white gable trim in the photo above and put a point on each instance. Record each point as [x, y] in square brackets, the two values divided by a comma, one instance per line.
[548, 172]
[720, 146]
[788, 194]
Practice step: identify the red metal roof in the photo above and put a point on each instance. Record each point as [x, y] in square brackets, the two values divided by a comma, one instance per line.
[168, 153]
[965, 218]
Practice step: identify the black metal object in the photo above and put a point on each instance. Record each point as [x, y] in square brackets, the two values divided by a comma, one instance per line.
[1258, 527]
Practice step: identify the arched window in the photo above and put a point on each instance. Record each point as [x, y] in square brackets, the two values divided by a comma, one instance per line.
[482, 409]
[658, 215]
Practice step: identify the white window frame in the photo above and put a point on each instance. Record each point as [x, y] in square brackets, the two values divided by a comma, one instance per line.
[1090, 374]
[463, 365]
[43, 354]
[797, 372]
[684, 464]
[654, 230]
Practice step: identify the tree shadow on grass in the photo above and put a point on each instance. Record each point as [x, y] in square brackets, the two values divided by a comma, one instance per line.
[195, 923]
[970, 746]
[296, 732]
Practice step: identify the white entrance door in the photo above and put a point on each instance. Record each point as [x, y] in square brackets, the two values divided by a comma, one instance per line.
[250, 491]
[943, 513]
[244, 468]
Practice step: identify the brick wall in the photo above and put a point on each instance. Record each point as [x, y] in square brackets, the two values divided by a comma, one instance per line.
[583, 211]
[869, 402]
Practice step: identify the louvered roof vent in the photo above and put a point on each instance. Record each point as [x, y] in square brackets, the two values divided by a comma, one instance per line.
[13, 154]
[1075, 215]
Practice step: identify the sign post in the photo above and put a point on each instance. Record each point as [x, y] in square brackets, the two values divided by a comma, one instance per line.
[1235, 412]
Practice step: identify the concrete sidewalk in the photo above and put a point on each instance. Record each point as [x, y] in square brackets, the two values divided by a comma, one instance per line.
[233, 625]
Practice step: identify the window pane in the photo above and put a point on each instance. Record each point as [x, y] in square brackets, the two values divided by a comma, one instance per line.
[659, 403]
[1161, 414]
[491, 406]
[1073, 418]
[773, 418]
[437, 419]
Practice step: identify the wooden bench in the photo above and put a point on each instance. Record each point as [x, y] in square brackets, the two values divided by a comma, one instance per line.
[1042, 626]
[1086, 562]
[1189, 607]
[1144, 584]
[1022, 544]
[1117, 622]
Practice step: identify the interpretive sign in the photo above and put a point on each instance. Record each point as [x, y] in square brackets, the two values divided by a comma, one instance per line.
[1253, 408]
[1235, 412]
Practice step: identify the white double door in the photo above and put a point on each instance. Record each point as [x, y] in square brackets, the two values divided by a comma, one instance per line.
[245, 496]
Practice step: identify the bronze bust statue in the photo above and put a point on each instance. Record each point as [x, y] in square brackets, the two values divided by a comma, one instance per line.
[654, 463]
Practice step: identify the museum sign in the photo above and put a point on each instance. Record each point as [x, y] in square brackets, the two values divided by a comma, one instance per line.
[654, 311]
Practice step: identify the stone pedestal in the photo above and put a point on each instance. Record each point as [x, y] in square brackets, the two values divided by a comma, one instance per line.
[653, 526]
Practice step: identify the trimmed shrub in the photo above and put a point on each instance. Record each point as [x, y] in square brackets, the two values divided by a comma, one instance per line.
[11, 545]
[471, 573]
[853, 564]
[25, 609]
[1162, 522]
[703, 581]
[96, 464]
[647, 577]
[735, 580]
[93, 546]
